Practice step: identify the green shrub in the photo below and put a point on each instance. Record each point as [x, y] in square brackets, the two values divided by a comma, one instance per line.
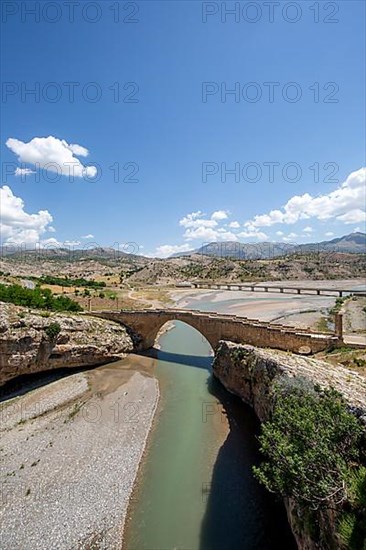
[309, 446]
[66, 281]
[40, 298]
[53, 330]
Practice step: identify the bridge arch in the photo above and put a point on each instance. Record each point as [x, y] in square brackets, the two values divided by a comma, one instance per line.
[186, 325]
[144, 326]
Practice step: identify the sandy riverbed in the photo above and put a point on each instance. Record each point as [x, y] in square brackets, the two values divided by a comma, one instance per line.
[70, 452]
[303, 311]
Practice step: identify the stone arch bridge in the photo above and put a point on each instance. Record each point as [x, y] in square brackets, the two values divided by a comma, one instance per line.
[216, 326]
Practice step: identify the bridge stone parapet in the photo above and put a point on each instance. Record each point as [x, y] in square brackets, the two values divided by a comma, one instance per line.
[216, 326]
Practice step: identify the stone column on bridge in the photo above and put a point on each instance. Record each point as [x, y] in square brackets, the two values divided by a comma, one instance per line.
[338, 323]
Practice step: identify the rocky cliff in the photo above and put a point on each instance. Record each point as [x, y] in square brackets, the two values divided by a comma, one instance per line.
[252, 373]
[27, 346]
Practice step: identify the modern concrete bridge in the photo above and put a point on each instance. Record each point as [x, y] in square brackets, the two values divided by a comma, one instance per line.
[320, 291]
[215, 327]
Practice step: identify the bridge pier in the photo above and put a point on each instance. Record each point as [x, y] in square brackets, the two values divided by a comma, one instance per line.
[266, 289]
[340, 294]
[338, 322]
[318, 292]
[299, 290]
[281, 290]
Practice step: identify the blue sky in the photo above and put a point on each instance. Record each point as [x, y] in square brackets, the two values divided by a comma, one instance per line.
[179, 133]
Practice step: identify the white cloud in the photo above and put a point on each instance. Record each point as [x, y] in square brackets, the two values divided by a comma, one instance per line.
[292, 235]
[166, 250]
[329, 234]
[308, 229]
[199, 227]
[195, 220]
[353, 216]
[89, 236]
[23, 171]
[78, 150]
[52, 154]
[51, 242]
[253, 235]
[342, 204]
[219, 215]
[225, 235]
[280, 233]
[71, 243]
[202, 232]
[16, 225]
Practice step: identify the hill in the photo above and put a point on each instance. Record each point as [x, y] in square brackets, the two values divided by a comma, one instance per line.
[354, 243]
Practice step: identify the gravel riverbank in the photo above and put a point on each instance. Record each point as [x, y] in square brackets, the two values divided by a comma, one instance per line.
[70, 453]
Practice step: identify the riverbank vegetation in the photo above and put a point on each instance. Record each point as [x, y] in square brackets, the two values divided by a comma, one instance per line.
[313, 454]
[67, 282]
[39, 298]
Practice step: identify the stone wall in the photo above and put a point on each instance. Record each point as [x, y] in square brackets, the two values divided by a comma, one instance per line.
[216, 327]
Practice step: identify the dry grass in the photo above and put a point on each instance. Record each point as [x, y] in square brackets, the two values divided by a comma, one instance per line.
[347, 357]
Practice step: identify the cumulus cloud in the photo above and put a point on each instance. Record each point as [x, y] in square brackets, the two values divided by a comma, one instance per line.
[199, 226]
[329, 234]
[166, 250]
[16, 225]
[260, 235]
[201, 232]
[88, 236]
[196, 220]
[308, 229]
[219, 215]
[345, 204]
[23, 171]
[52, 154]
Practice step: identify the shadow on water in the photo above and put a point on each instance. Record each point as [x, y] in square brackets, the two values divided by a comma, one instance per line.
[197, 361]
[239, 512]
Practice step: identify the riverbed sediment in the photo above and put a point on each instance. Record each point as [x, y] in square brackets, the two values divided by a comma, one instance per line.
[70, 453]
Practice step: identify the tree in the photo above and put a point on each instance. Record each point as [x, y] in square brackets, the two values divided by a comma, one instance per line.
[309, 446]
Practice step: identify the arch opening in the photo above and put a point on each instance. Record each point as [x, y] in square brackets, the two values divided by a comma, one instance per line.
[179, 342]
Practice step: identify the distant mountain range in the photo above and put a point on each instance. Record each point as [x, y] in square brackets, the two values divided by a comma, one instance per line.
[354, 243]
[72, 254]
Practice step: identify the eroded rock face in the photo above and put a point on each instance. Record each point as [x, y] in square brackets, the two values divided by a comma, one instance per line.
[251, 373]
[25, 346]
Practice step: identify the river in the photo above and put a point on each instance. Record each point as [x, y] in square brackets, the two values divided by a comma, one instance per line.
[195, 489]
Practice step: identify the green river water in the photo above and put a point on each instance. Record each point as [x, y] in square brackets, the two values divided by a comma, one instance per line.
[196, 490]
